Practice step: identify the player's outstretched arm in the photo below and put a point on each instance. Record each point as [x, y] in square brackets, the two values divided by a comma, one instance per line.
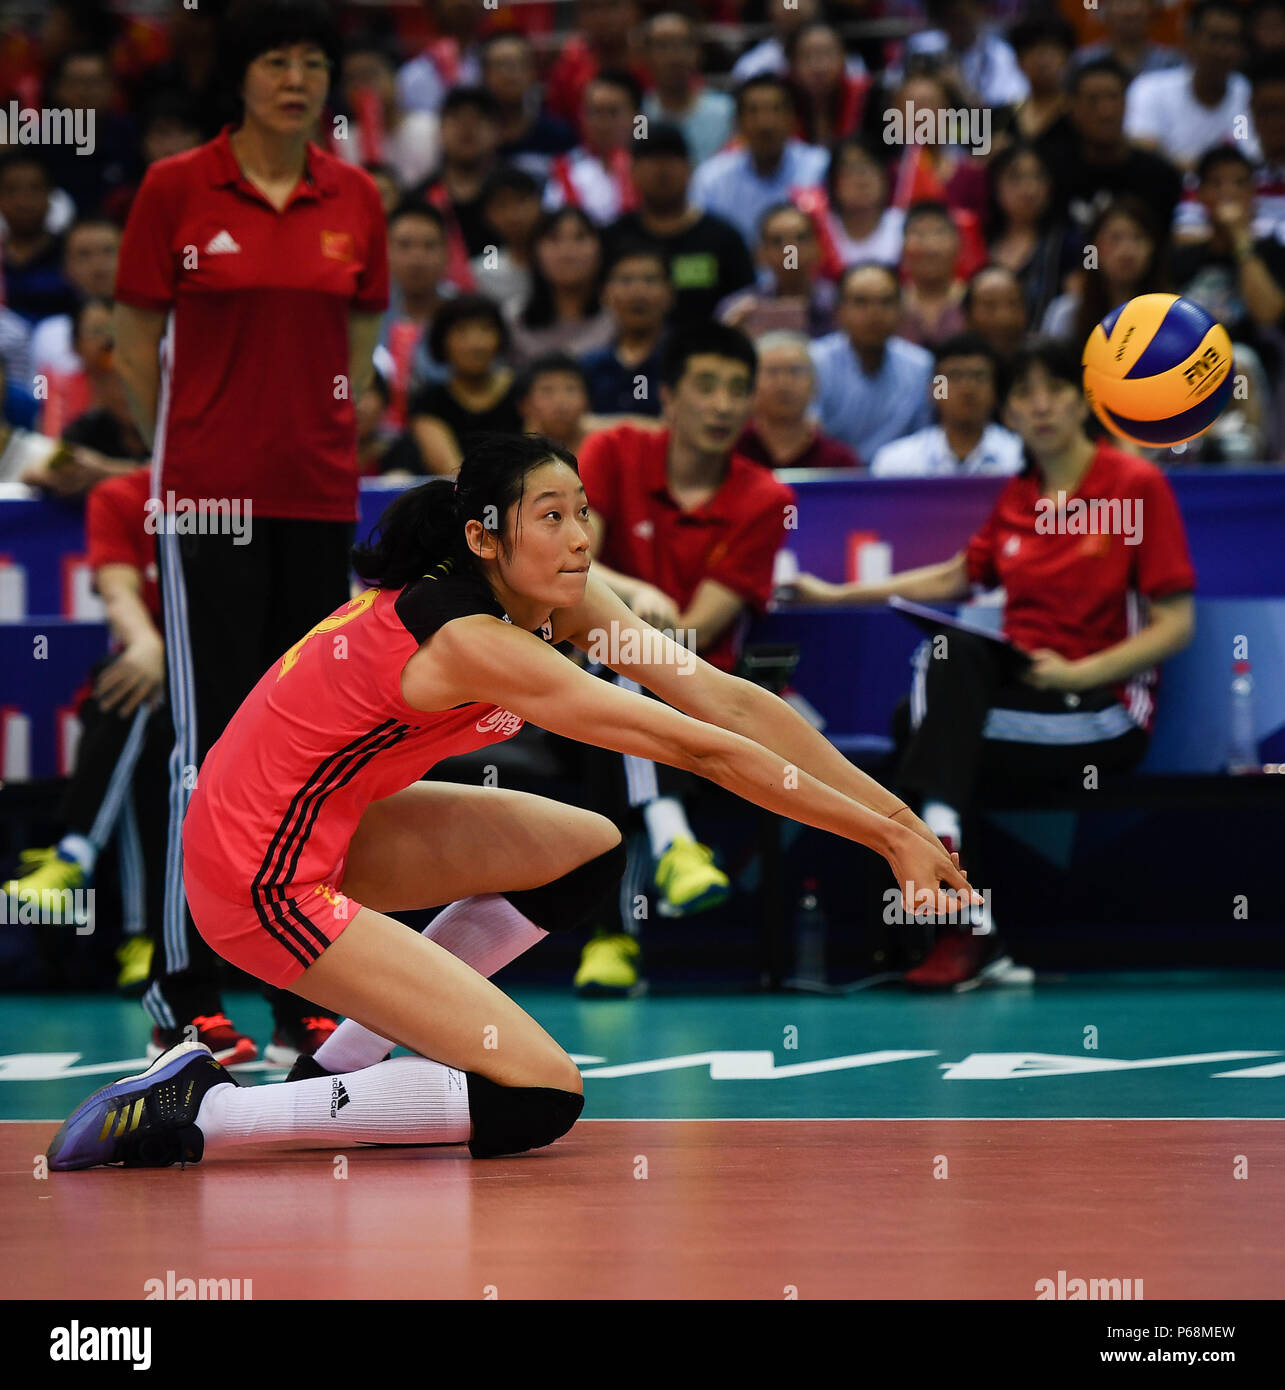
[481, 659]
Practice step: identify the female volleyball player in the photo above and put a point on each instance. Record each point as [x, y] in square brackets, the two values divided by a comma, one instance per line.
[309, 823]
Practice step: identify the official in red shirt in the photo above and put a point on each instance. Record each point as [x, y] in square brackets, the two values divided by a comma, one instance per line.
[1090, 549]
[252, 277]
[686, 532]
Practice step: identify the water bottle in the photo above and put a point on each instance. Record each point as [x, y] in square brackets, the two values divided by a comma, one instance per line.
[1242, 752]
[809, 936]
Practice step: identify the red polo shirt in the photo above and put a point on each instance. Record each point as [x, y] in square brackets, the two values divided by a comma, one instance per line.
[1075, 590]
[732, 538]
[116, 532]
[254, 401]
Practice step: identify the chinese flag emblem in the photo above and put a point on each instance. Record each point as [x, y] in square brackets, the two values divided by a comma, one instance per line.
[336, 246]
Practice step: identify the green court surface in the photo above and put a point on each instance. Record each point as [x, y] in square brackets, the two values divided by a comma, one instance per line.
[1181, 1045]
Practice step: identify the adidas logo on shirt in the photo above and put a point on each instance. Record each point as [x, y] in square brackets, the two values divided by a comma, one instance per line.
[222, 244]
[644, 530]
[338, 1097]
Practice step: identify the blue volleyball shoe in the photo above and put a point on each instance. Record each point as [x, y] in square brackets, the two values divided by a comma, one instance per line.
[144, 1121]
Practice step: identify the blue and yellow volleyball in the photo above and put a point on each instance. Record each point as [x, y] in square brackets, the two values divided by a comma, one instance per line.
[1158, 370]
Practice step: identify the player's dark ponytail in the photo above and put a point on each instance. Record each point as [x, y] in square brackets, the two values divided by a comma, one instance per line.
[425, 525]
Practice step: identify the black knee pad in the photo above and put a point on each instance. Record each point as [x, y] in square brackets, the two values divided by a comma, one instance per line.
[575, 900]
[512, 1119]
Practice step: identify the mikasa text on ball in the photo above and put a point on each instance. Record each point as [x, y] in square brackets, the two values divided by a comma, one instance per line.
[1158, 370]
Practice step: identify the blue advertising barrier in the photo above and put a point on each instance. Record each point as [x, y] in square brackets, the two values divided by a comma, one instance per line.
[854, 665]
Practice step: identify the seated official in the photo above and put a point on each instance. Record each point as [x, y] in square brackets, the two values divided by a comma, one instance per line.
[965, 439]
[1076, 579]
[686, 532]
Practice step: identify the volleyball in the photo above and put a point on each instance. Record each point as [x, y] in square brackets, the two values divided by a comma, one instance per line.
[1158, 370]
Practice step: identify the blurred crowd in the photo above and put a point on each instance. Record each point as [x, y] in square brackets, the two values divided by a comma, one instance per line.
[568, 185]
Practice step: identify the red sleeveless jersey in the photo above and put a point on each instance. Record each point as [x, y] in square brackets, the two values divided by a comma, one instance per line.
[325, 733]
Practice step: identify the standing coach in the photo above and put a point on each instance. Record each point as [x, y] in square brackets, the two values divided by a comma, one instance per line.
[253, 274]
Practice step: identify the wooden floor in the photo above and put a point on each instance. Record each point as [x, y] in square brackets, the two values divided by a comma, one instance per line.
[679, 1209]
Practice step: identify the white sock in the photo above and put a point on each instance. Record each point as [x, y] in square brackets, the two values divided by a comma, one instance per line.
[666, 821]
[407, 1100]
[76, 849]
[943, 821]
[486, 932]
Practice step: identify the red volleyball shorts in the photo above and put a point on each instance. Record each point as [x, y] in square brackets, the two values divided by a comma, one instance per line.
[279, 935]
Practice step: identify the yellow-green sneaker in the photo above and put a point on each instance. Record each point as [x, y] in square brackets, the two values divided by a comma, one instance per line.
[44, 872]
[688, 879]
[608, 966]
[134, 956]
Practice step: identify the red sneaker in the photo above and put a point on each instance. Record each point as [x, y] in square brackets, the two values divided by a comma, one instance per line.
[217, 1031]
[961, 961]
[292, 1040]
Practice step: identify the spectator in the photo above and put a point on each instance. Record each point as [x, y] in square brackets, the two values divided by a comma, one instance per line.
[191, 68]
[624, 377]
[1098, 162]
[768, 55]
[859, 221]
[740, 185]
[1126, 43]
[966, 439]
[381, 129]
[1266, 27]
[449, 60]
[707, 258]
[35, 286]
[82, 80]
[995, 308]
[1267, 106]
[564, 312]
[986, 64]
[511, 206]
[470, 336]
[686, 532]
[929, 170]
[529, 136]
[1043, 45]
[416, 291]
[292, 296]
[170, 125]
[67, 394]
[386, 184]
[1130, 260]
[781, 432]
[89, 253]
[595, 175]
[470, 130]
[15, 352]
[1087, 696]
[382, 451]
[26, 453]
[104, 432]
[1181, 112]
[681, 97]
[1024, 233]
[931, 307]
[606, 37]
[832, 101]
[553, 397]
[790, 297]
[872, 387]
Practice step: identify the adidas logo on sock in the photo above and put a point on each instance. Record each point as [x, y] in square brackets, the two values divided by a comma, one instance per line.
[222, 244]
[338, 1097]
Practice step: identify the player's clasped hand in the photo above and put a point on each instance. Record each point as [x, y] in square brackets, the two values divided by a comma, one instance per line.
[655, 607]
[920, 862]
